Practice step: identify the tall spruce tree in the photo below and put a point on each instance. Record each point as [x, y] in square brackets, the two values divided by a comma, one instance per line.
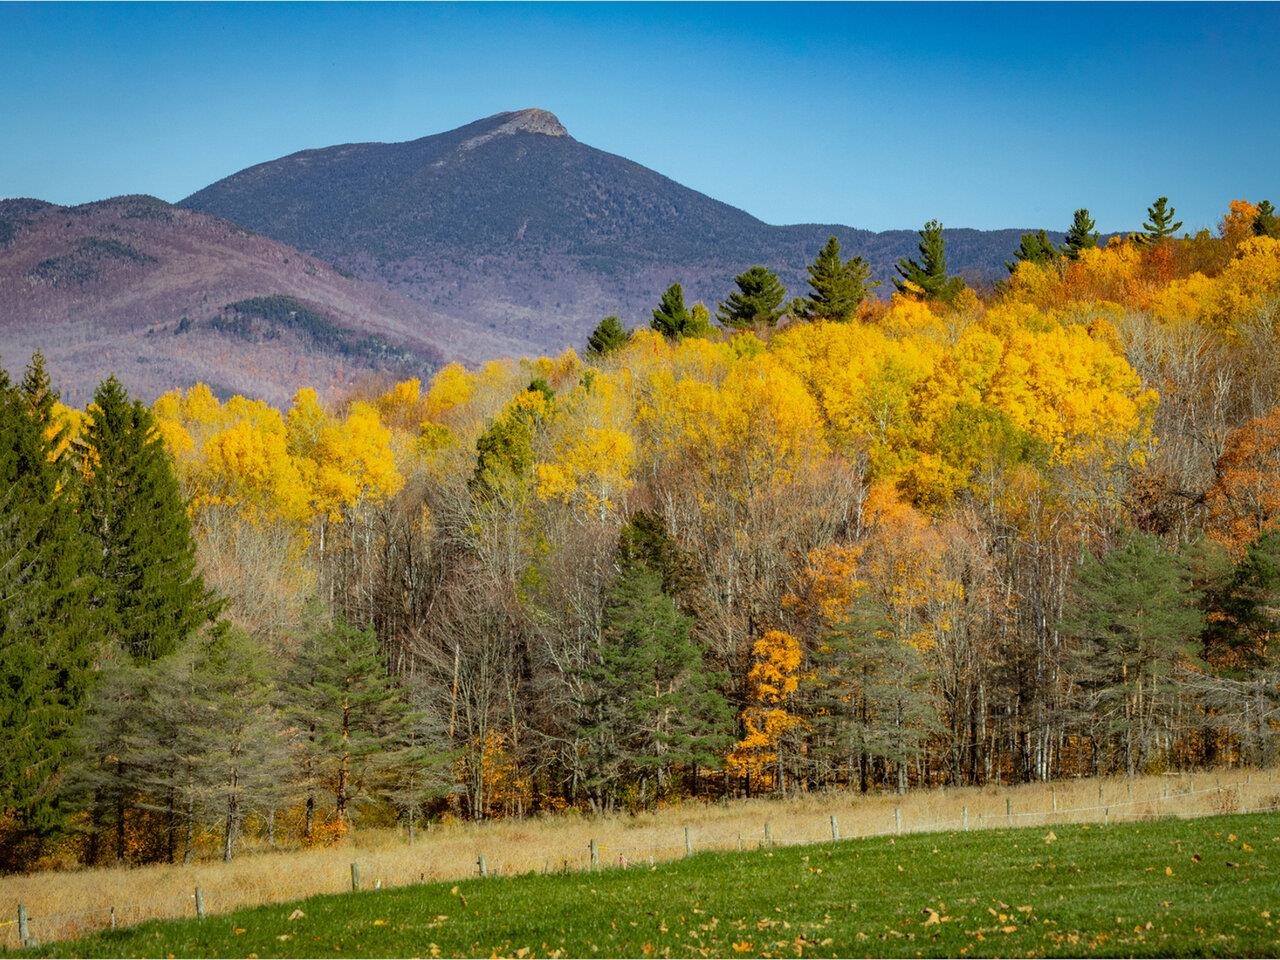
[352, 717]
[1241, 690]
[1266, 223]
[839, 287]
[1160, 225]
[608, 336]
[927, 276]
[236, 734]
[1134, 613]
[1034, 248]
[655, 709]
[149, 592]
[758, 301]
[49, 638]
[873, 708]
[671, 317]
[1080, 235]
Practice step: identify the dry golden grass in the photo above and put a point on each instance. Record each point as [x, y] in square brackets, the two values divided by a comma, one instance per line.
[63, 904]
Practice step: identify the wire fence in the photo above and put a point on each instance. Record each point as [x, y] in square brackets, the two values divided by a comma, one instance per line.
[28, 930]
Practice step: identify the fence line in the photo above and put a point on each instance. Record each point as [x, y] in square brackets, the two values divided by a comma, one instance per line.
[61, 925]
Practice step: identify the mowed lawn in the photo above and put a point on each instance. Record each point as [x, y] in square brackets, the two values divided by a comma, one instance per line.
[1170, 887]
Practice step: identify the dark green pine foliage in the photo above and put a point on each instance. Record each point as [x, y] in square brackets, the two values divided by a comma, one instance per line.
[1266, 223]
[120, 734]
[504, 454]
[235, 731]
[873, 709]
[1244, 697]
[1134, 614]
[1034, 248]
[756, 303]
[352, 718]
[675, 321]
[1080, 235]
[49, 636]
[1160, 225]
[671, 317]
[928, 275]
[655, 709]
[608, 336]
[644, 540]
[838, 286]
[149, 592]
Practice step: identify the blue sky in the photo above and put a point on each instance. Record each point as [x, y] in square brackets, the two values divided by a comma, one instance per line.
[875, 116]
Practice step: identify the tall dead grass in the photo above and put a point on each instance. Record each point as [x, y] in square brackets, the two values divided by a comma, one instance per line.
[65, 904]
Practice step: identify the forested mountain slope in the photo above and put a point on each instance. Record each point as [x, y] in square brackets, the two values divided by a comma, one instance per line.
[529, 235]
[162, 296]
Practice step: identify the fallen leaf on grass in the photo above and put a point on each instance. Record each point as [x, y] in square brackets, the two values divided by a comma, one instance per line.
[380, 923]
[238, 930]
[742, 946]
[931, 917]
[1168, 871]
[297, 915]
[1050, 837]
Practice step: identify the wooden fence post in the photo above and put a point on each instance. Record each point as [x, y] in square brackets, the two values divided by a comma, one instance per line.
[1008, 810]
[1053, 793]
[595, 854]
[199, 903]
[688, 843]
[768, 834]
[24, 931]
[1106, 814]
[113, 918]
[482, 865]
[835, 828]
[964, 816]
[355, 876]
[897, 819]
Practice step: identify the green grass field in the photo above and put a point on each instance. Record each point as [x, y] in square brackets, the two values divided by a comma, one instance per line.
[1170, 887]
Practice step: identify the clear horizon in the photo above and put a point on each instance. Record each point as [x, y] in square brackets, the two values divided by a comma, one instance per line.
[877, 116]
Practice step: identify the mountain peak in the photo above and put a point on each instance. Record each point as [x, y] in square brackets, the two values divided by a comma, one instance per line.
[531, 120]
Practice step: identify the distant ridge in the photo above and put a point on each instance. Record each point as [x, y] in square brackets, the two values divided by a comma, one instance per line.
[164, 296]
[526, 236]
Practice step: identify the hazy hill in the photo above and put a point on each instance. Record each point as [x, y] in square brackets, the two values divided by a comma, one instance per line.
[164, 296]
[529, 236]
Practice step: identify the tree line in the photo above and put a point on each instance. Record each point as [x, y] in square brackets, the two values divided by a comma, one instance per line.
[839, 542]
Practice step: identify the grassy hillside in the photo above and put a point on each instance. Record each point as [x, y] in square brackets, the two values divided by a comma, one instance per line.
[1165, 887]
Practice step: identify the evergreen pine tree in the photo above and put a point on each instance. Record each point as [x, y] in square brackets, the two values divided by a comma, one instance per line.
[48, 634]
[757, 301]
[1266, 223]
[1033, 248]
[236, 733]
[117, 752]
[873, 706]
[150, 594]
[671, 318]
[1135, 615]
[927, 276]
[838, 286]
[1159, 225]
[654, 708]
[352, 717]
[608, 336]
[1080, 235]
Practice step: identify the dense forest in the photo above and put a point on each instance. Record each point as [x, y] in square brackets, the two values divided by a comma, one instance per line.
[834, 541]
